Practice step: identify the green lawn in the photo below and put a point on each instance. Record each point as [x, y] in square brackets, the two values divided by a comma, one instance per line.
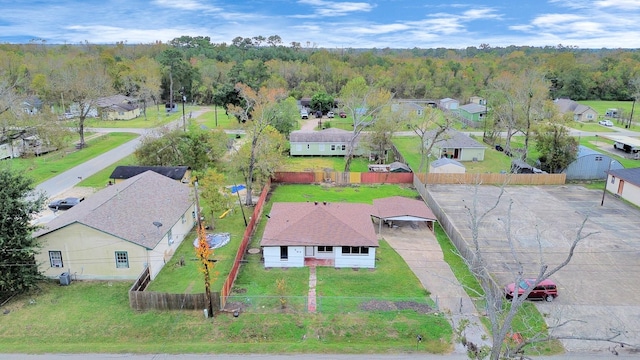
[155, 118]
[44, 167]
[320, 163]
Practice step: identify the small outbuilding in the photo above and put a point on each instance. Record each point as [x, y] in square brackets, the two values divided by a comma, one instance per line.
[625, 183]
[446, 166]
[591, 165]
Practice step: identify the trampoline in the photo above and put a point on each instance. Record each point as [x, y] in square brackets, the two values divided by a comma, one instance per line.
[215, 240]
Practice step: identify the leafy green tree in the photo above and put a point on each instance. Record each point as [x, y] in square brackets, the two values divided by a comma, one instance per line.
[287, 116]
[363, 103]
[557, 149]
[262, 152]
[213, 193]
[196, 148]
[322, 101]
[18, 268]
[379, 136]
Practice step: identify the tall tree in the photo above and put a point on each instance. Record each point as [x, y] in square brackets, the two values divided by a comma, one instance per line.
[380, 135]
[363, 103]
[430, 127]
[556, 147]
[18, 268]
[82, 81]
[215, 197]
[171, 59]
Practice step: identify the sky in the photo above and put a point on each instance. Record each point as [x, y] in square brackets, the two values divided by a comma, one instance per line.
[401, 24]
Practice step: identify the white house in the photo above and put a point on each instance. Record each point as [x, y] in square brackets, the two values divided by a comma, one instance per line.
[625, 183]
[343, 234]
[119, 231]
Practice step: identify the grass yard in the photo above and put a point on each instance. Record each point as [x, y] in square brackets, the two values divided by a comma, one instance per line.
[155, 118]
[44, 167]
[319, 163]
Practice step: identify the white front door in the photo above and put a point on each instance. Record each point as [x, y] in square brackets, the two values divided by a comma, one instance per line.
[309, 251]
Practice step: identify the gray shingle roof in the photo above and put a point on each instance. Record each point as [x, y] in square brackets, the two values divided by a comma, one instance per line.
[629, 175]
[473, 108]
[128, 210]
[454, 139]
[327, 135]
[311, 224]
[445, 161]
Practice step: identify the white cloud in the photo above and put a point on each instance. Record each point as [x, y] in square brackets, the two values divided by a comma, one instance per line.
[334, 8]
[190, 5]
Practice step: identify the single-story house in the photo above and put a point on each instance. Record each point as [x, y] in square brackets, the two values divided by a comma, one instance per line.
[124, 172]
[478, 100]
[446, 166]
[118, 107]
[449, 104]
[340, 233]
[399, 209]
[591, 165]
[625, 183]
[119, 231]
[407, 107]
[455, 145]
[327, 142]
[472, 112]
[32, 105]
[580, 112]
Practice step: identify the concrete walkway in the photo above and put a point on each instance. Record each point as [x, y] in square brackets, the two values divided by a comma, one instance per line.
[420, 250]
[311, 299]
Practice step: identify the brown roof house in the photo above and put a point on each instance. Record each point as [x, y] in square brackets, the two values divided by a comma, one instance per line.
[119, 231]
[580, 112]
[118, 107]
[340, 234]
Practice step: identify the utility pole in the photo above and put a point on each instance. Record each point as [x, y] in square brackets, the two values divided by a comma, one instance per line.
[631, 117]
[184, 119]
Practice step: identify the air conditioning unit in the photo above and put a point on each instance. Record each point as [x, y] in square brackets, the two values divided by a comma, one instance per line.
[65, 279]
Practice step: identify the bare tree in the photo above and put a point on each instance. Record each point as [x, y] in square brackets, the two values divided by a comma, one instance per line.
[501, 314]
[83, 81]
[430, 128]
[364, 103]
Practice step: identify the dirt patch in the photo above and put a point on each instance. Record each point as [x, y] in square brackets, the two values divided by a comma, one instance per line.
[377, 305]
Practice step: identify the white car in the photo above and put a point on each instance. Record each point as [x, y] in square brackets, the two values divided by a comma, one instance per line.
[330, 115]
[605, 122]
[304, 114]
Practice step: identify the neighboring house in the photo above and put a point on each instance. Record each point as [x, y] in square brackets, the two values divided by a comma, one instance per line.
[119, 231]
[449, 104]
[399, 210]
[118, 107]
[74, 111]
[446, 166]
[340, 233]
[179, 173]
[473, 113]
[455, 145]
[407, 107]
[32, 105]
[395, 167]
[328, 142]
[591, 165]
[580, 112]
[478, 100]
[625, 183]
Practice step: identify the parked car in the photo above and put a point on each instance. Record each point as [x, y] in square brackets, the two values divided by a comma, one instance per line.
[546, 290]
[304, 114]
[318, 114]
[65, 204]
[330, 114]
[343, 114]
[605, 122]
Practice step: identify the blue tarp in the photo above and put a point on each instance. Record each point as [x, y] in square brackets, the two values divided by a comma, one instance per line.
[215, 240]
[235, 189]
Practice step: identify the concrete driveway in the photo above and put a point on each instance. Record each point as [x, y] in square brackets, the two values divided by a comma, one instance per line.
[599, 289]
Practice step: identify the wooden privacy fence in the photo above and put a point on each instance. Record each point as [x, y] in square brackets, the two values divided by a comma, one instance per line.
[146, 300]
[493, 179]
[342, 178]
[246, 238]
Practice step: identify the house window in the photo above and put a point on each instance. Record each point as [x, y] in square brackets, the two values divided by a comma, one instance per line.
[325, 249]
[284, 252]
[321, 147]
[184, 219]
[355, 250]
[122, 259]
[55, 257]
[598, 158]
[333, 148]
[170, 236]
[344, 147]
[613, 179]
[308, 146]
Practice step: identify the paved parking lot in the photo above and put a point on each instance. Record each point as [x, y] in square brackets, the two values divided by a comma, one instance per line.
[599, 289]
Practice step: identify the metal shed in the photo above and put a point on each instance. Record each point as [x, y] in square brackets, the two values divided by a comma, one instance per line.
[591, 165]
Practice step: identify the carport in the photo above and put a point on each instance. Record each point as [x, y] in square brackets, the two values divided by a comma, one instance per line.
[399, 210]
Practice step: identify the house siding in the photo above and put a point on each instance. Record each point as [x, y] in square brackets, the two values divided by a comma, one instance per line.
[272, 257]
[89, 254]
[367, 261]
[163, 252]
[320, 149]
[125, 115]
[587, 168]
[630, 192]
